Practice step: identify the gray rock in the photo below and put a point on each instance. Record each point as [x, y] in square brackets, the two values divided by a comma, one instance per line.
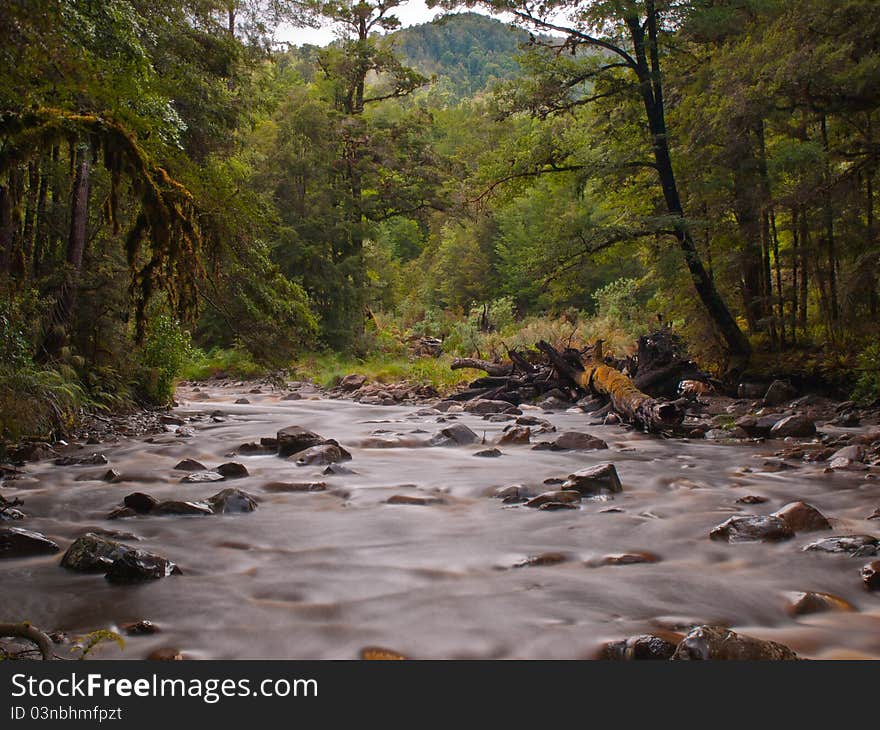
[186, 509]
[635, 648]
[456, 435]
[233, 470]
[489, 453]
[779, 392]
[190, 465]
[352, 382]
[139, 566]
[797, 425]
[293, 439]
[232, 501]
[854, 545]
[18, 543]
[92, 553]
[140, 502]
[752, 528]
[599, 478]
[329, 453]
[577, 441]
[482, 406]
[562, 496]
[716, 643]
[200, 477]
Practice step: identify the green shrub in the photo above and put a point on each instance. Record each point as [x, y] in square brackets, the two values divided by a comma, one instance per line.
[167, 348]
[867, 388]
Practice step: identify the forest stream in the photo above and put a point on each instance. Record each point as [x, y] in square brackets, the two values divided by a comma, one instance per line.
[323, 574]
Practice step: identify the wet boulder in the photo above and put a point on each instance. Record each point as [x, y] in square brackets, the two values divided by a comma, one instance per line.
[352, 382]
[853, 545]
[456, 435]
[140, 502]
[139, 566]
[328, 453]
[562, 496]
[871, 576]
[716, 643]
[516, 435]
[797, 425]
[854, 452]
[802, 517]
[93, 553]
[190, 465]
[595, 479]
[184, 509]
[252, 447]
[543, 559]
[233, 470]
[293, 439]
[752, 528]
[639, 648]
[803, 603]
[757, 426]
[514, 494]
[577, 441]
[779, 392]
[18, 543]
[232, 501]
[489, 453]
[201, 477]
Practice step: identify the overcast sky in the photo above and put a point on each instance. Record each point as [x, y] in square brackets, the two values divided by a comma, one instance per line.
[412, 12]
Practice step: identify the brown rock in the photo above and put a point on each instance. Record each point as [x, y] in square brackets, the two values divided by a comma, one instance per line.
[516, 435]
[644, 647]
[599, 478]
[752, 528]
[577, 441]
[408, 499]
[18, 543]
[803, 603]
[233, 470]
[797, 425]
[871, 575]
[329, 453]
[140, 502]
[293, 439]
[568, 496]
[543, 559]
[803, 517]
[629, 558]
[190, 465]
[716, 643]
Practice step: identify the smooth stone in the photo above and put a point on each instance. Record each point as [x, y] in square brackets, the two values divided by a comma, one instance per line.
[802, 603]
[561, 497]
[854, 545]
[646, 647]
[329, 453]
[173, 507]
[456, 435]
[242, 402]
[140, 502]
[190, 465]
[407, 499]
[233, 470]
[752, 528]
[803, 517]
[628, 558]
[295, 487]
[716, 643]
[293, 439]
[489, 453]
[481, 406]
[232, 501]
[599, 478]
[796, 425]
[871, 575]
[577, 441]
[543, 559]
[18, 543]
[139, 566]
[199, 477]
[516, 435]
[92, 553]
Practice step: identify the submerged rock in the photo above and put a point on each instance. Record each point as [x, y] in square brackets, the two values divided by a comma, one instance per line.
[190, 465]
[628, 559]
[140, 502]
[599, 478]
[138, 566]
[854, 545]
[803, 517]
[232, 501]
[807, 602]
[752, 528]
[233, 470]
[295, 487]
[414, 500]
[716, 643]
[456, 435]
[92, 553]
[18, 543]
[638, 648]
[577, 441]
[173, 507]
[568, 496]
[328, 453]
[293, 439]
[95, 459]
[871, 575]
[489, 453]
[200, 477]
[543, 559]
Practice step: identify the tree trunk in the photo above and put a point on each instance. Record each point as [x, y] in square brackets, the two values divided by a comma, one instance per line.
[492, 368]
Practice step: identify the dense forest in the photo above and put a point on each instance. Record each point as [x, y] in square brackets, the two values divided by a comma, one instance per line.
[181, 195]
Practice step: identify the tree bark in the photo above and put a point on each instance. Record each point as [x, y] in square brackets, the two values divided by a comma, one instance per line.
[492, 368]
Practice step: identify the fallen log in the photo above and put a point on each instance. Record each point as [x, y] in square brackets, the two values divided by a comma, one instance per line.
[492, 368]
[628, 401]
[25, 631]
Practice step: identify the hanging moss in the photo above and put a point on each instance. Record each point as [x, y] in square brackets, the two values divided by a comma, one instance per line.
[164, 246]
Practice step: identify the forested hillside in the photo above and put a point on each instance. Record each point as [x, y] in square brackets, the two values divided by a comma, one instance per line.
[178, 194]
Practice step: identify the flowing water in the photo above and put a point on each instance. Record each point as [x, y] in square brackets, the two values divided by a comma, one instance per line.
[322, 575]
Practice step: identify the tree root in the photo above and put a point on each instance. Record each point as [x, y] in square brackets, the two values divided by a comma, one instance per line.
[24, 630]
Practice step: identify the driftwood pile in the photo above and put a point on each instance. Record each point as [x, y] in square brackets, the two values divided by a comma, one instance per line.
[637, 388]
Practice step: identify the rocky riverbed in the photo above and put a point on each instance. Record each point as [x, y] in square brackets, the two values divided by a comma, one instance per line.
[260, 520]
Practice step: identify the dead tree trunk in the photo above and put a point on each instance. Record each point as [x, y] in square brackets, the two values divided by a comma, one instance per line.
[492, 368]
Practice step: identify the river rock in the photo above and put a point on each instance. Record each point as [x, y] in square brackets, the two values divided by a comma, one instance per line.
[190, 465]
[599, 478]
[140, 502]
[847, 419]
[489, 453]
[252, 447]
[352, 382]
[752, 528]
[95, 459]
[292, 396]
[513, 494]
[92, 553]
[797, 425]
[563, 496]
[482, 406]
[295, 487]
[456, 435]
[779, 392]
[854, 545]
[200, 477]
[516, 435]
[871, 576]
[543, 559]
[577, 441]
[293, 439]
[18, 543]
[803, 517]
[232, 501]
[628, 558]
[554, 404]
[422, 501]
[553, 506]
[757, 426]
[185, 509]
[803, 603]
[139, 566]
[716, 643]
[242, 402]
[144, 627]
[635, 648]
[233, 470]
[752, 499]
[328, 453]
[854, 452]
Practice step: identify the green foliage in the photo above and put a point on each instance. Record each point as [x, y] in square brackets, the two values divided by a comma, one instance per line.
[85, 645]
[167, 348]
[235, 362]
[867, 388]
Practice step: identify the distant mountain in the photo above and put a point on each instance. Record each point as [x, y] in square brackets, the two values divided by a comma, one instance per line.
[469, 49]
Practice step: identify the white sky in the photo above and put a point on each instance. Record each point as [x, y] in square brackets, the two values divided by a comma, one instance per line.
[411, 12]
